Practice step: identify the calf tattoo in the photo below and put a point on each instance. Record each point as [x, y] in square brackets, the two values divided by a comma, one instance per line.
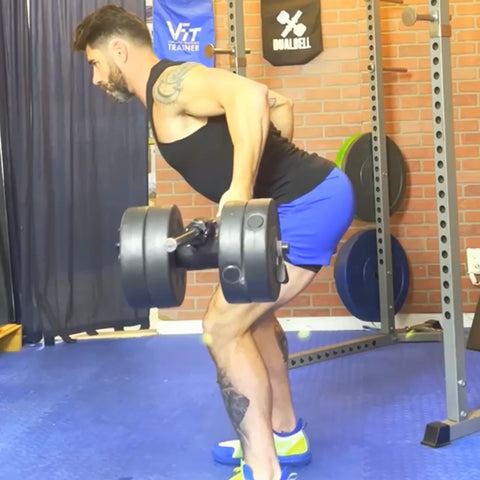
[282, 341]
[235, 403]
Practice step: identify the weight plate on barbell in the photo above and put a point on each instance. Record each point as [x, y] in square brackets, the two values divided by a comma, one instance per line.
[231, 254]
[131, 255]
[165, 281]
[355, 158]
[356, 275]
[260, 250]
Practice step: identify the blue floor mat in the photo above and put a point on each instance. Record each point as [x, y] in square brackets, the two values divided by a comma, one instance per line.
[149, 409]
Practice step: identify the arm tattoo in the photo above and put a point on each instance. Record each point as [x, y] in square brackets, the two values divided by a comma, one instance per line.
[272, 102]
[169, 85]
[235, 403]
[282, 341]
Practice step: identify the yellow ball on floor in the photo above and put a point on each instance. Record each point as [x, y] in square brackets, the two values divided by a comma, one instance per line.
[304, 334]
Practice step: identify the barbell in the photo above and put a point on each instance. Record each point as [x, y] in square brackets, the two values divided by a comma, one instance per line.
[156, 251]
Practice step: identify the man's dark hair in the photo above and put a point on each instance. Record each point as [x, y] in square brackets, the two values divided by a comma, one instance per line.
[107, 21]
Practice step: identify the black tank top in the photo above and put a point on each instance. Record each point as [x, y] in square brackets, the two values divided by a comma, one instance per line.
[205, 158]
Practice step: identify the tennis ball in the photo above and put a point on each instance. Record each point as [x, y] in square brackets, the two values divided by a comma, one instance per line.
[304, 334]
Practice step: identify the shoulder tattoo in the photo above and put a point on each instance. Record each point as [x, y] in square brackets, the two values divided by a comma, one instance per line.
[169, 85]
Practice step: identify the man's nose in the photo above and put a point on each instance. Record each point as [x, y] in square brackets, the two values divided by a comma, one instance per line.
[95, 79]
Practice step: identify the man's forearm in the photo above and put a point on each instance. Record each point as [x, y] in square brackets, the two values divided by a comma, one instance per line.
[246, 159]
[248, 120]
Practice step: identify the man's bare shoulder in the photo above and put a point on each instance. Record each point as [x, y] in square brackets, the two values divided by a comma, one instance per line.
[169, 84]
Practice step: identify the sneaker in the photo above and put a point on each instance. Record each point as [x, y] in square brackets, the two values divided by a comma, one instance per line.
[292, 448]
[244, 472]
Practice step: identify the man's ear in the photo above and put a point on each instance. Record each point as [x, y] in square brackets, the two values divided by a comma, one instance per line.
[119, 50]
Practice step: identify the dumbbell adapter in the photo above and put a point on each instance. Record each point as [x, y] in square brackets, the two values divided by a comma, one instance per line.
[197, 232]
[197, 247]
[156, 251]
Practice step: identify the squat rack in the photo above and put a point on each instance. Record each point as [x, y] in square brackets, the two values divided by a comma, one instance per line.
[460, 422]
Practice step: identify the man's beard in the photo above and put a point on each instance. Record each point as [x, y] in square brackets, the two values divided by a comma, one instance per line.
[117, 86]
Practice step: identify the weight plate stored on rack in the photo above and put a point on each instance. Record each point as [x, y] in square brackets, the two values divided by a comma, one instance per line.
[356, 275]
[355, 158]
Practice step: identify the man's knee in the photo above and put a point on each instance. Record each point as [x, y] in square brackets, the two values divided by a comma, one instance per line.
[218, 322]
[224, 323]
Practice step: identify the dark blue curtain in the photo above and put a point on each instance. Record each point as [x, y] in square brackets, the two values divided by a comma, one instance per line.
[82, 162]
[15, 153]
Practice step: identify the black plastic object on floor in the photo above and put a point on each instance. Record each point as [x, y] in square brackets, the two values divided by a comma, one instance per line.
[356, 275]
[437, 434]
[473, 342]
[355, 158]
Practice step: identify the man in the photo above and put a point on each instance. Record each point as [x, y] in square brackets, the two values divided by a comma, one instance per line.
[230, 138]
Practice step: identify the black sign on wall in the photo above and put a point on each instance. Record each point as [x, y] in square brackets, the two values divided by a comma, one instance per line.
[291, 31]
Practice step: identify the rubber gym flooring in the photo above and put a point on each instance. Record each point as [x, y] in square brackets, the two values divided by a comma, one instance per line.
[149, 409]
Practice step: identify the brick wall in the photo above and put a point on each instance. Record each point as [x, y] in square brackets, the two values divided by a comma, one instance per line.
[332, 103]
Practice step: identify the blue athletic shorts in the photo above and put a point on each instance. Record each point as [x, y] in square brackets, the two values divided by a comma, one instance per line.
[314, 223]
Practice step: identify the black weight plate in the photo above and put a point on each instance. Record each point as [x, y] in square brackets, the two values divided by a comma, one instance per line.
[357, 163]
[261, 234]
[230, 253]
[356, 275]
[165, 281]
[132, 229]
